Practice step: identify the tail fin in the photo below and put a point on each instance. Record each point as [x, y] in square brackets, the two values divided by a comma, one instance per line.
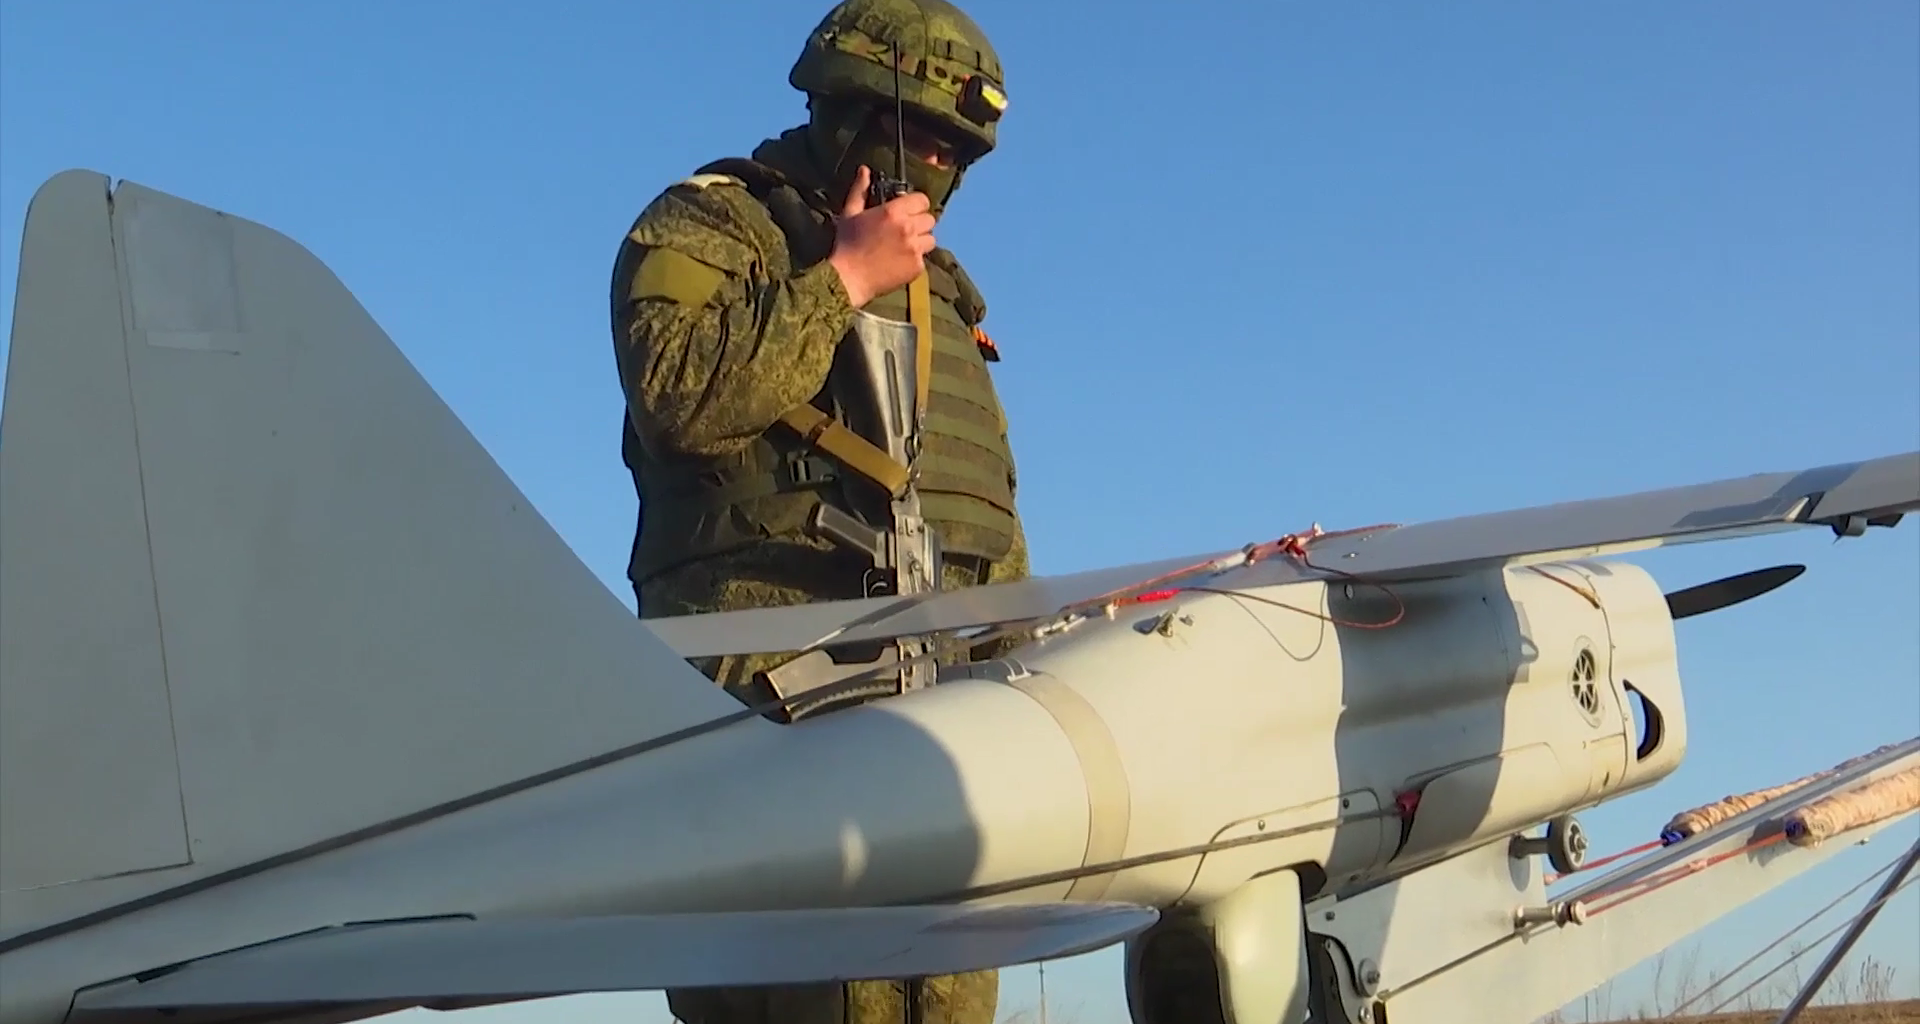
[259, 587]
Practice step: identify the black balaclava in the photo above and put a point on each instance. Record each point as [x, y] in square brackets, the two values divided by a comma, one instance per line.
[845, 132]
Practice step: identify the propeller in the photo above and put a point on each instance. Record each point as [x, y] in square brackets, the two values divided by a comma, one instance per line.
[1724, 593]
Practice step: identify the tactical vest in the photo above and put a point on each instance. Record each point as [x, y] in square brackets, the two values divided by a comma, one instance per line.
[695, 509]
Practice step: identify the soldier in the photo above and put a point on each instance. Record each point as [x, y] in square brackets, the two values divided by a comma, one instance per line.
[733, 301]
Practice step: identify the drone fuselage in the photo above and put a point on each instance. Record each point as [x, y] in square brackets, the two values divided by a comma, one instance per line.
[1164, 753]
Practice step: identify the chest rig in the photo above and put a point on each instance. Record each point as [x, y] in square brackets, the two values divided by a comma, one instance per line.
[901, 458]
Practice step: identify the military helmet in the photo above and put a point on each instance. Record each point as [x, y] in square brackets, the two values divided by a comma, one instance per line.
[949, 73]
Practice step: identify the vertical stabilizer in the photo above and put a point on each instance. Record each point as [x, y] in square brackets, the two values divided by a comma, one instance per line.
[259, 587]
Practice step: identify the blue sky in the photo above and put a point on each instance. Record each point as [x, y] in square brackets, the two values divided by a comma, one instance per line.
[1251, 265]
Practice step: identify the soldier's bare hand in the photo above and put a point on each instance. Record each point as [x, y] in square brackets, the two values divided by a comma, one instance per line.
[878, 250]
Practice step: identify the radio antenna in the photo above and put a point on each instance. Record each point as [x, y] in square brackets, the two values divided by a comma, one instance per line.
[899, 117]
[883, 188]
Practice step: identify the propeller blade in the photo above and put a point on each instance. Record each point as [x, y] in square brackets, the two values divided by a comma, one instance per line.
[1724, 593]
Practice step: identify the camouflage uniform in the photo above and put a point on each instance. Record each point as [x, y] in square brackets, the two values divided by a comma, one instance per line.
[726, 315]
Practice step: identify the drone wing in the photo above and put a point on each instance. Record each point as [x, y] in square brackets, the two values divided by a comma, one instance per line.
[464, 962]
[1846, 497]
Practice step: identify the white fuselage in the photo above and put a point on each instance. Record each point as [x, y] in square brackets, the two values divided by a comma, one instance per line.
[1166, 726]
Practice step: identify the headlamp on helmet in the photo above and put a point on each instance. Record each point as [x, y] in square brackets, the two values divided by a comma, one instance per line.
[981, 101]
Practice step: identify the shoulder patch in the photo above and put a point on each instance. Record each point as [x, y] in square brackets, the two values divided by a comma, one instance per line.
[676, 277]
[702, 181]
[715, 224]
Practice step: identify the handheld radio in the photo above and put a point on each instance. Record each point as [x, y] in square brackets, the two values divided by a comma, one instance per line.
[881, 188]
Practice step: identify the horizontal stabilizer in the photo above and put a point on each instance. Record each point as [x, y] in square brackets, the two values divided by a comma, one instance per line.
[1846, 497]
[462, 960]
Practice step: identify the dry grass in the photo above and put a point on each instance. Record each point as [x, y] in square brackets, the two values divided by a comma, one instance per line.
[1903, 1012]
[1859, 992]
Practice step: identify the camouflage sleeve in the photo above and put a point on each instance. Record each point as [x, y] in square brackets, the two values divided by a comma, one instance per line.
[714, 348]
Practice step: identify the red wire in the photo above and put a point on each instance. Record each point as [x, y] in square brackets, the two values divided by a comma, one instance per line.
[1661, 880]
[1604, 861]
[1293, 545]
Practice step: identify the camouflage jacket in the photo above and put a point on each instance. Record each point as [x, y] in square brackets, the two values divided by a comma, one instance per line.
[723, 327]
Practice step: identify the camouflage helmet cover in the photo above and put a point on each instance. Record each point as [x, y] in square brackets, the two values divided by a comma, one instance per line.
[949, 72]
